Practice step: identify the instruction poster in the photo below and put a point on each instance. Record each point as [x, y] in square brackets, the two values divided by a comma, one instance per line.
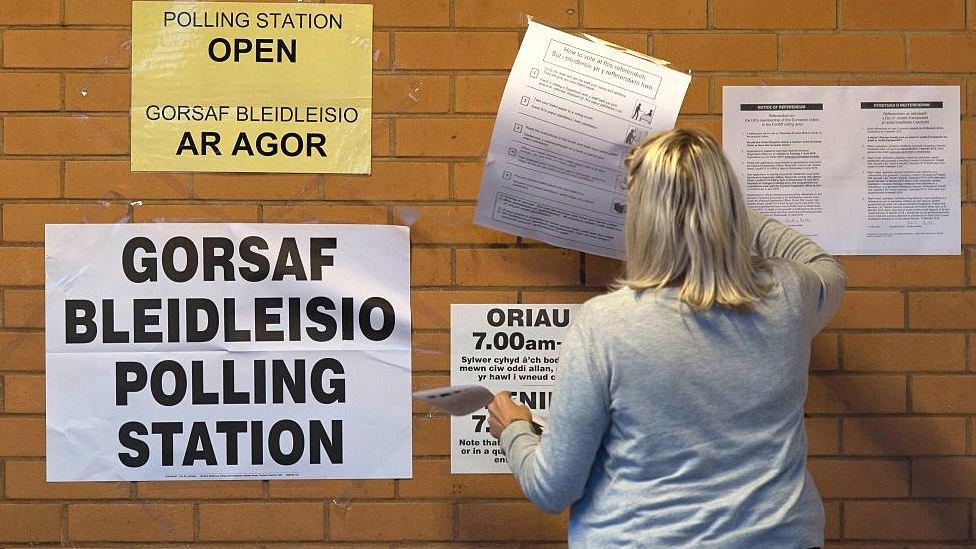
[571, 112]
[504, 348]
[251, 87]
[227, 351]
[862, 169]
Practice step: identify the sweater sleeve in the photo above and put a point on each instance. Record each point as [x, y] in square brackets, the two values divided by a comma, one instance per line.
[553, 469]
[822, 278]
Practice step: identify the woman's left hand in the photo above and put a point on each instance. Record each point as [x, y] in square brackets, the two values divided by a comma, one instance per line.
[503, 411]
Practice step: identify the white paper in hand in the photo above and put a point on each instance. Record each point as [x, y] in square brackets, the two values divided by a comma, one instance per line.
[458, 400]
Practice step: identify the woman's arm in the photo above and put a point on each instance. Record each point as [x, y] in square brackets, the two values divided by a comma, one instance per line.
[553, 469]
[825, 277]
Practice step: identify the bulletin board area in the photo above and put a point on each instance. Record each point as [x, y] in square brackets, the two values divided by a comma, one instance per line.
[893, 384]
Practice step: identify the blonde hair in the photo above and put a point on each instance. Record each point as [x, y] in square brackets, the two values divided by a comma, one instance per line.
[687, 224]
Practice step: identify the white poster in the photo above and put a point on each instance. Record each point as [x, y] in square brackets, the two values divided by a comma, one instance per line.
[571, 112]
[227, 351]
[862, 169]
[504, 348]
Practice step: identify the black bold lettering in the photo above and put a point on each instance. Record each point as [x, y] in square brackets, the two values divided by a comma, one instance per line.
[127, 440]
[124, 384]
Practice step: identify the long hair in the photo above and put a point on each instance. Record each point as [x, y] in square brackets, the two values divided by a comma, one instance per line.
[687, 224]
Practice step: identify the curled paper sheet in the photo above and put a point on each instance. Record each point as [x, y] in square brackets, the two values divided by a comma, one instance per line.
[458, 400]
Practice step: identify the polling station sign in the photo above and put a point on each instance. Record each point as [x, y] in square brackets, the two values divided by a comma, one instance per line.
[503, 348]
[227, 351]
[251, 87]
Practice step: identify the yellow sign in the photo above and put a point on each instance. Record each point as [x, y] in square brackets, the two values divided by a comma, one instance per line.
[251, 87]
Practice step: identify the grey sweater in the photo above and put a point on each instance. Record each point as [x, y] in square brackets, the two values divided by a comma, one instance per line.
[670, 427]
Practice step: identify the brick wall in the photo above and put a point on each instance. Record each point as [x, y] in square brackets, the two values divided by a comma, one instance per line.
[893, 388]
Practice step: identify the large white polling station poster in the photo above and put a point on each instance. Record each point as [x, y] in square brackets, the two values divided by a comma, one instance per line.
[227, 351]
[571, 113]
[861, 169]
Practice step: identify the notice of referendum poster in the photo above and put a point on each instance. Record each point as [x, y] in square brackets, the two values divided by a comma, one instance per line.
[227, 351]
[251, 87]
[571, 113]
[504, 348]
[862, 169]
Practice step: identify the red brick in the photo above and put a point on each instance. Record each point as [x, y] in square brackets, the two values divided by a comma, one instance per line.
[392, 181]
[969, 138]
[904, 352]
[112, 179]
[697, 98]
[822, 436]
[35, 12]
[433, 479]
[431, 350]
[942, 52]
[942, 310]
[906, 520]
[176, 489]
[21, 266]
[325, 214]
[831, 520]
[416, 13]
[432, 137]
[21, 352]
[453, 50]
[950, 477]
[944, 394]
[195, 213]
[513, 13]
[431, 436]
[130, 522]
[341, 490]
[380, 134]
[21, 436]
[824, 352]
[262, 521]
[517, 267]
[425, 93]
[645, 14]
[23, 308]
[29, 91]
[508, 522]
[381, 51]
[66, 135]
[256, 186]
[903, 14]
[446, 224]
[842, 52]
[774, 14]
[98, 12]
[479, 93]
[861, 478]
[717, 52]
[467, 180]
[30, 179]
[553, 296]
[27, 480]
[904, 271]
[904, 436]
[432, 308]
[870, 310]
[430, 267]
[391, 522]
[838, 394]
[23, 394]
[25, 222]
[30, 522]
[67, 49]
[602, 271]
[97, 91]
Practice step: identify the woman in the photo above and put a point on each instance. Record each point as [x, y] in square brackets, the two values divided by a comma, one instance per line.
[677, 417]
